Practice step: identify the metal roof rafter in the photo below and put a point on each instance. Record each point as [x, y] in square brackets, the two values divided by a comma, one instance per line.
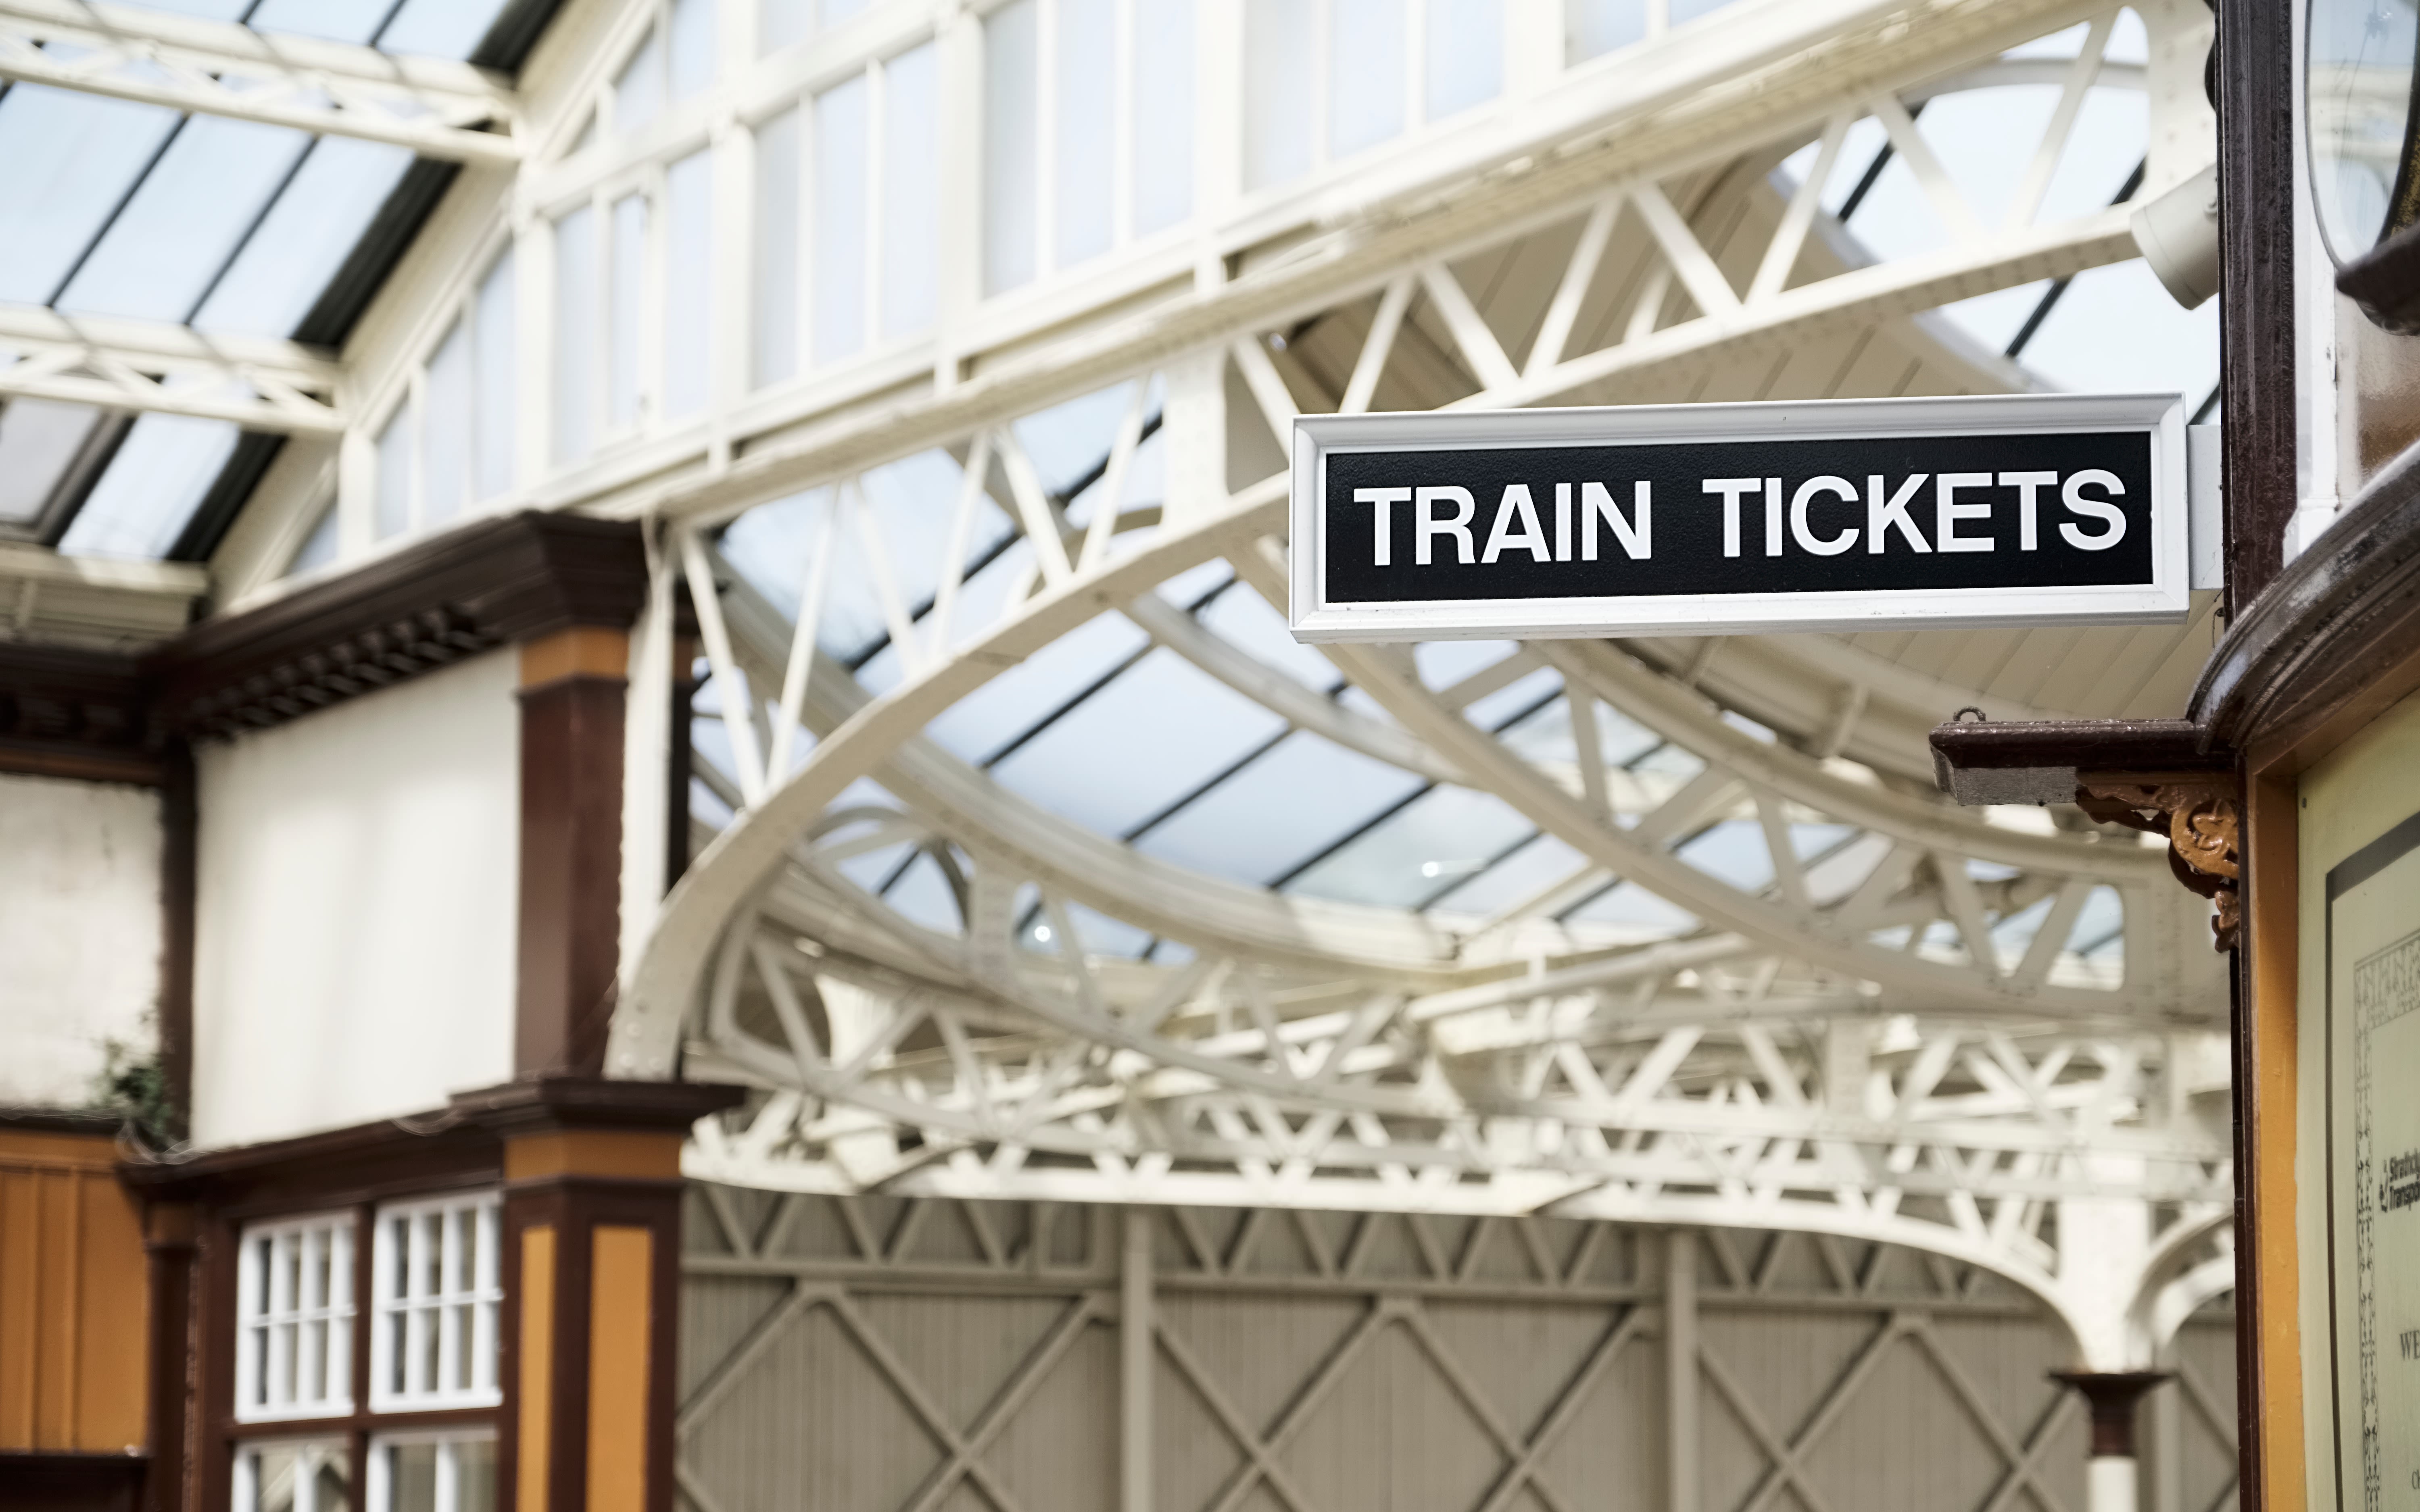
[430, 105]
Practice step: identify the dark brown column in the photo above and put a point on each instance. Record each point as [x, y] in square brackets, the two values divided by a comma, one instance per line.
[168, 1241]
[589, 1331]
[2112, 1397]
[573, 689]
[180, 819]
[2256, 219]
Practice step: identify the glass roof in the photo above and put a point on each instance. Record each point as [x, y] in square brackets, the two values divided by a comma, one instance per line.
[230, 227]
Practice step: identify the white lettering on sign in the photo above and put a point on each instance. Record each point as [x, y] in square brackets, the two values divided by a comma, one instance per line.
[1517, 526]
[1425, 501]
[2071, 495]
[1516, 507]
[1808, 540]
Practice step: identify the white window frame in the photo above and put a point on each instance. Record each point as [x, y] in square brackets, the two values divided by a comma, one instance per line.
[482, 1294]
[262, 1314]
[246, 1491]
[380, 1486]
[410, 410]
[1048, 272]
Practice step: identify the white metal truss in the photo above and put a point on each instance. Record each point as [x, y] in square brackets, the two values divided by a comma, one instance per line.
[259, 383]
[1846, 1048]
[431, 106]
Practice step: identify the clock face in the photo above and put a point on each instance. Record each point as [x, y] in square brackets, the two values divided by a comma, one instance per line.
[2358, 106]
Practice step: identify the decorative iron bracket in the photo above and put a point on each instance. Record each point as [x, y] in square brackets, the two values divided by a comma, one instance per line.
[2201, 813]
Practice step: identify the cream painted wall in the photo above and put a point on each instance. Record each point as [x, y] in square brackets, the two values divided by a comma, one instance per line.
[355, 914]
[80, 926]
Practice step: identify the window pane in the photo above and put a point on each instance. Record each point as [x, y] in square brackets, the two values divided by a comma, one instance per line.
[1085, 127]
[639, 93]
[575, 334]
[497, 401]
[911, 191]
[445, 430]
[783, 21]
[1465, 61]
[776, 335]
[688, 280]
[1280, 90]
[1163, 107]
[475, 1475]
[293, 1477]
[412, 1477]
[1012, 145]
[840, 220]
[320, 548]
[396, 473]
[1365, 73]
[1595, 27]
[624, 320]
[692, 46]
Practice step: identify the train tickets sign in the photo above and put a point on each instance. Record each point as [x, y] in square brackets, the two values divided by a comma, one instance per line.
[1731, 518]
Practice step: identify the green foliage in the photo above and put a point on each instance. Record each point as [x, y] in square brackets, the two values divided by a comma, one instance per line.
[134, 1084]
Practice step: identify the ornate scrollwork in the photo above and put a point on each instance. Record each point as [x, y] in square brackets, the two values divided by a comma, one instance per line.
[2200, 813]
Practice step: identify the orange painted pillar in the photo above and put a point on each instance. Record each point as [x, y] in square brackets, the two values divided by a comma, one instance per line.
[592, 1296]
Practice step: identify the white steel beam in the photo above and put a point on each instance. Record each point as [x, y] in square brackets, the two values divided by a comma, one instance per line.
[144, 366]
[430, 105]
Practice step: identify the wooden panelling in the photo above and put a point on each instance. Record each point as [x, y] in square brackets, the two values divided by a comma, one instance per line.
[73, 1299]
[874, 1354]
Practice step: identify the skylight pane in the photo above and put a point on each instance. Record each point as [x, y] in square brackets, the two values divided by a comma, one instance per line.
[72, 158]
[1155, 733]
[206, 9]
[1280, 810]
[152, 487]
[338, 21]
[306, 237]
[439, 28]
[1445, 836]
[39, 439]
[192, 211]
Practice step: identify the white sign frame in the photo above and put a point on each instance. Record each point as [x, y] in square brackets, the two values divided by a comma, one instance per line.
[2165, 601]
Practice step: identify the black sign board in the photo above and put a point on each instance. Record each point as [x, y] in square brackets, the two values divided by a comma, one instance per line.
[1843, 514]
